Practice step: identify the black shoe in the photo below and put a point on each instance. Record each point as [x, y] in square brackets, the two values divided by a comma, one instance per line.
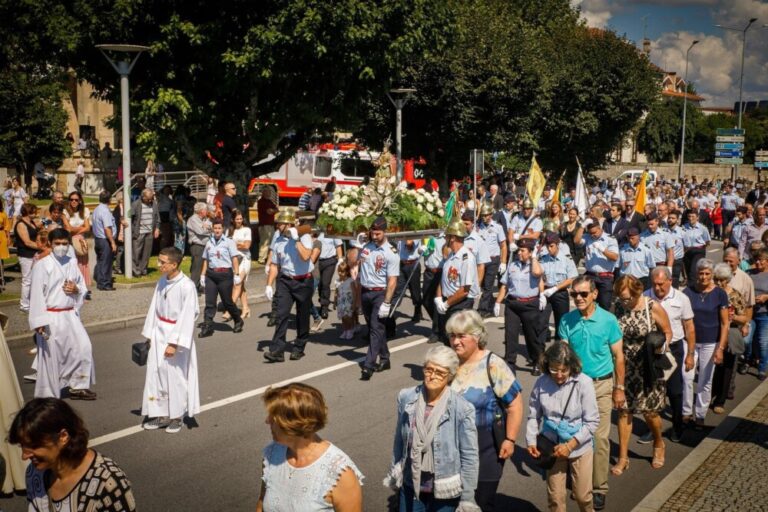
[296, 355]
[238, 327]
[272, 322]
[324, 313]
[274, 357]
[205, 331]
[106, 289]
[675, 436]
[535, 372]
[742, 368]
[386, 365]
[88, 295]
[486, 314]
[433, 339]
[598, 501]
[417, 317]
[81, 394]
[366, 374]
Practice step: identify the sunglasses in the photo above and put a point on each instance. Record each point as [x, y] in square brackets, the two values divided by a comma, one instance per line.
[583, 295]
[440, 374]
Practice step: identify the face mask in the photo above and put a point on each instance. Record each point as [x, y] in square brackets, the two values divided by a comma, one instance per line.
[60, 251]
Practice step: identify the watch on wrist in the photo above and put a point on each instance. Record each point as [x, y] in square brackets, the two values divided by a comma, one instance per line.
[510, 440]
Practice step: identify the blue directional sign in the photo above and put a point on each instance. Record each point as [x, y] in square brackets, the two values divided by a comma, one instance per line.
[730, 145]
[729, 154]
[761, 165]
[730, 131]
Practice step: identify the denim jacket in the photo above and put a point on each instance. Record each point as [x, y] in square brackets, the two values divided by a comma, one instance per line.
[454, 446]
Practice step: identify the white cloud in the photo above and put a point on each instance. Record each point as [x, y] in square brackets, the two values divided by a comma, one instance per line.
[595, 12]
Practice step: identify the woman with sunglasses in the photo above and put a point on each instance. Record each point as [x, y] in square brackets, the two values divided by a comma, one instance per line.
[639, 315]
[435, 457]
[77, 220]
[485, 380]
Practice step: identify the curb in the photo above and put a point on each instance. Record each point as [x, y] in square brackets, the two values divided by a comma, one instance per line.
[130, 286]
[665, 489]
[111, 325]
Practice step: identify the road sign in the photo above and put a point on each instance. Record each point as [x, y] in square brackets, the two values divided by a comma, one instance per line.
[729, 154]
[761, 165]
[730, 138]
[729, 145]
[761, 159]
[729, 161]
[761, 152]
[730, 131]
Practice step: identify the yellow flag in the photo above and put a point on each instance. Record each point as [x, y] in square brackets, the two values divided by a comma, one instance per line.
[536, 182]
[558, 197]
[640, 200]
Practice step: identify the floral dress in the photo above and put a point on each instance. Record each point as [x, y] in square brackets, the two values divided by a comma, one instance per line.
[634, 325]
[345, 299]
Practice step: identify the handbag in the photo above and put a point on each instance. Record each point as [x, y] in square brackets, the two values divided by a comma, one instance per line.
[80, 244]
[736, 344]
[665, 363]
[654, 339]
[546, 446]
[140, 352]
[499, 425]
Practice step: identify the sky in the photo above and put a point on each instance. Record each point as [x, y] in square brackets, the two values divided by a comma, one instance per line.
[672, 25]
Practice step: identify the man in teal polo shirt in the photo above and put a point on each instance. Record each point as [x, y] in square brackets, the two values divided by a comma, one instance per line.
[595, 336]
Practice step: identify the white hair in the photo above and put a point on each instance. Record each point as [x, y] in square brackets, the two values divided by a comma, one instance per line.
[444, 357]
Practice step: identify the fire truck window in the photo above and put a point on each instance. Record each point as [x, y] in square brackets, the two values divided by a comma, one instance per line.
[356, 167]
[323, 167]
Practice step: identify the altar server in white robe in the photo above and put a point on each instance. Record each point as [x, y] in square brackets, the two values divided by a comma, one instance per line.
[171, 386]
[64, 355]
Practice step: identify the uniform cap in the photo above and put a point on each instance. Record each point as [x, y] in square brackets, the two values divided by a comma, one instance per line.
[527, 203]
[509, 198]
[286, 216]
[379, 224]
[633, 232]
[468, 215]
[526, 243]
[487, 209]
[456, 228]
[652, 216]
[552, 238]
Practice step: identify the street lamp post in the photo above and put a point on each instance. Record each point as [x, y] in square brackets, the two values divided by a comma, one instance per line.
[685, 107]
[402, 96]
[741, 79]
[123, 68]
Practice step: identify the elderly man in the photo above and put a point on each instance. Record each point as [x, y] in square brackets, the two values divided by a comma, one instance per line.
[145, 226]
[753, 231]
[198, 232]
[742, 283]
[104, 233]
[596, 337]
[735, 228]
[496, 199]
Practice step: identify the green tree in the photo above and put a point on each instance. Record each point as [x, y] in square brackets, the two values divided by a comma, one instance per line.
[660, 133]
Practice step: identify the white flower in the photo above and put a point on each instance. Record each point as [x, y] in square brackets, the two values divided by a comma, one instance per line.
[420, 199]
[430, 208]
[380, 189]
[441, 213]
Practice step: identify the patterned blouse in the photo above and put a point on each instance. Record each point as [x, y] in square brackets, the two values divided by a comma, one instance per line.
[736, 301]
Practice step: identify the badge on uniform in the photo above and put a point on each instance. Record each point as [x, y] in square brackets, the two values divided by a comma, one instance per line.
[465, 256]
[453, 274]
[379, 263]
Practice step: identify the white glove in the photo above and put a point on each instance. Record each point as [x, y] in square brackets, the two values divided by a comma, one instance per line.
[496, 309]
[202, 281]
[550, 291]
[269, 292]
[237, 280]
[421, 250]
[293, 232]
[598, 247]
[516, 237]
[384, 310]
[266, 269]
[441, 306]
[512, 247]
[502, 269]
[542, 302]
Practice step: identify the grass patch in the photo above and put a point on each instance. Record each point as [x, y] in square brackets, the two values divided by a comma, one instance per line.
[153, 274]
[9, 262]
[9, 296]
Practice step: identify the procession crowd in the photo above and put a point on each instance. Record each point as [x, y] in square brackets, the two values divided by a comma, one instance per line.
[650, 324]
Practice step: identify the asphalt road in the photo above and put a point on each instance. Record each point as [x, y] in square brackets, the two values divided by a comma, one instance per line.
[214, 463]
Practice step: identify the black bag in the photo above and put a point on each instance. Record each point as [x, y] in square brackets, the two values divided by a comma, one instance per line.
[546, 446]
[736, 344]
[140, 352]
[499, 425]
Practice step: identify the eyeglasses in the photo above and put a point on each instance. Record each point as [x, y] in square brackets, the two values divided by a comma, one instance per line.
[564, 371]
[583, 295]
[76, 200]
[440, 374]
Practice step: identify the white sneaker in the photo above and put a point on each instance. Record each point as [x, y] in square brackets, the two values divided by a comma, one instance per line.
[156, 423]
[32, 377]
[32, 351]
[174, 427]
[317, 324]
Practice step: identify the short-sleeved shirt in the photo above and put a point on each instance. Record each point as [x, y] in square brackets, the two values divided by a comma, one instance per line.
[520, 281]
[676, 235]
[477, 247]
[557, 268]
[596, 260]
[760, 280]
[377, 264]
[243, 234]
[742, 283]
[221, 252]
[695, 236]
[435, 258]
[102, 219]
[460, 270]
[729, 201]
[678, 308]
[519, 224]
[636, 261]
[591, 338]
[328, 247]
[407, 254]
[493, 235]
[286, 255]
[227, 205]
[659, 242]
[706, 313]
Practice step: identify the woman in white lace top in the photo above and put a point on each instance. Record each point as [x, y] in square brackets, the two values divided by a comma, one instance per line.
[301, 471]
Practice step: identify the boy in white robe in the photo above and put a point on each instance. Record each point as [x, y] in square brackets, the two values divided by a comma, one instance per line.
[65, 354]
[171, 386]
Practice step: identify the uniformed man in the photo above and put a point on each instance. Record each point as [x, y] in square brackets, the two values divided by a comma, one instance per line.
[659, 241]
[496, 243]
[559, 272]
[676, 235]
[379, 269]
[736, 228]
[331, 253]
[602, 254]
[695, 241]
[519, 291]
[526, 224]
[221, 271]
[290, 271]
[458, 284]
[434, 252]
[409, 252]
[475, 244]
[636, 259]
[505, 216]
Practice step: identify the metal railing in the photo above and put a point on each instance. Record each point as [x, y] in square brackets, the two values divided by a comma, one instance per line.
[195, 181]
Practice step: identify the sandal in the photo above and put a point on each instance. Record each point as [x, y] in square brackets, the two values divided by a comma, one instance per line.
[658, 457]
[620, 467]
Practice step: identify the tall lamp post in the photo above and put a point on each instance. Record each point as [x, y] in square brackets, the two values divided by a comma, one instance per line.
[685, 107]
[130, 54]
[741, 79]
[401, 97]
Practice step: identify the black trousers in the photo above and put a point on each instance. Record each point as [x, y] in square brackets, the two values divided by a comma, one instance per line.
[371, 301]
[728, 216]
[604, 287]
[675, 386]
[102, 273]
[721, 381]
[443, 319]
[690, 259]
[485, 495]
[414, 285]
[290, 291]
[196, 265]
[523, 316]
[219, 284]
[489, 281]
[326, 267]
[559, 305]
[119, 259]
[677, 270]
[428, 292]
